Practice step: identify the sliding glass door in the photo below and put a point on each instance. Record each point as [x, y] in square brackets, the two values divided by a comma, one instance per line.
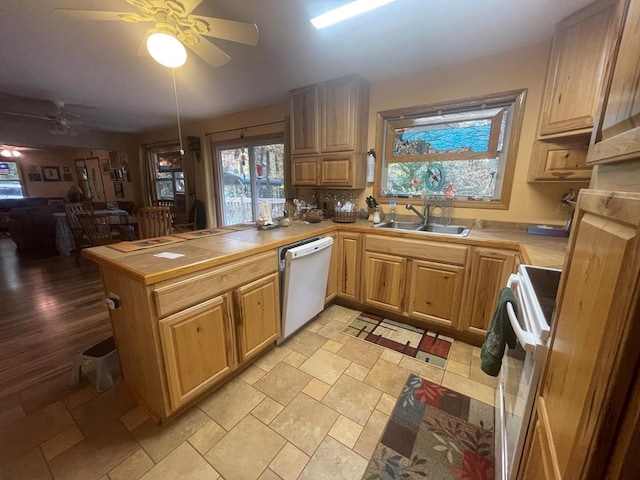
[249, 174]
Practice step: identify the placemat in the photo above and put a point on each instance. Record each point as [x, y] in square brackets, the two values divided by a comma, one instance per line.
[127, 247]
[199, 233]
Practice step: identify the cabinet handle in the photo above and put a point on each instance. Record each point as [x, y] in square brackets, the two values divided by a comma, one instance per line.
[562, 174]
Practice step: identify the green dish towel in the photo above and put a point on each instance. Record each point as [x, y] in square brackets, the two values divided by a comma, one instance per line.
[499, 335]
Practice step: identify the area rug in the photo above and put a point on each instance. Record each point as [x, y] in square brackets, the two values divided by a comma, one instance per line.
[434, 433]
[430, 347]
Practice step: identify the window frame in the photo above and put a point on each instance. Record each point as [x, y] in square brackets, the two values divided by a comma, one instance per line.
[383, 136]
[19, 181]
[248, 142]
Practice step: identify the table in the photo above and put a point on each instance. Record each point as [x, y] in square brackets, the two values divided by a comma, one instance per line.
[64, 236]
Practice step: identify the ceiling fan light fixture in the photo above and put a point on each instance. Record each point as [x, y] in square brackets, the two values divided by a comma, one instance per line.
[166, 49]
[346, 11]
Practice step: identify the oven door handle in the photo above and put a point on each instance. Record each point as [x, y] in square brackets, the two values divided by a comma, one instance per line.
[526, 339]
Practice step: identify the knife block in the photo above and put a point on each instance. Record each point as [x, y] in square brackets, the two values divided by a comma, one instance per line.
[372, 211]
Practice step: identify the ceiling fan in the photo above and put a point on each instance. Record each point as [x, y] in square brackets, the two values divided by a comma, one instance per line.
[63, 121]
[174, 17]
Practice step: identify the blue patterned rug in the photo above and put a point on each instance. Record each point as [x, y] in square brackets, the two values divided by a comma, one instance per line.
[434, 433]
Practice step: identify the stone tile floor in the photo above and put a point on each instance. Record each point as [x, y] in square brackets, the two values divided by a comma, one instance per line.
[312, 408]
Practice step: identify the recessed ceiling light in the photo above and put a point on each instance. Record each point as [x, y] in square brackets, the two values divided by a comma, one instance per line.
[346, 11]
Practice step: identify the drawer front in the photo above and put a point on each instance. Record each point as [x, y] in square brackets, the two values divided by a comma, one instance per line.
[177, 294]
[423, 250]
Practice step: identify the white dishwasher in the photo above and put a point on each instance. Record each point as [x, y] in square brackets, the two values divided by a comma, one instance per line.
[304, 267]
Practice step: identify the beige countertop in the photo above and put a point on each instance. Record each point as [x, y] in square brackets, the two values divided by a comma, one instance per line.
[206, 252]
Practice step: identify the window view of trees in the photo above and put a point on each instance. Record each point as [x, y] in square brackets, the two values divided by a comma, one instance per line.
[468, 142]
[251, 174]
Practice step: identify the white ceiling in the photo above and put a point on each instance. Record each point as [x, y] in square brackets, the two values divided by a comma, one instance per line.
[94, 67]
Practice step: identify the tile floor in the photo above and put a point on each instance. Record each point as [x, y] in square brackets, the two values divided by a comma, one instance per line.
[312, 408]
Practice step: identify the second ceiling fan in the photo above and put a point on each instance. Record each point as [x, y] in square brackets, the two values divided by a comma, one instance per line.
[175, 18]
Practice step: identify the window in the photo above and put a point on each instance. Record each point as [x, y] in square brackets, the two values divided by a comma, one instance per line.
[10, 185]
[250, 174]
[468, 146]
[168, 176]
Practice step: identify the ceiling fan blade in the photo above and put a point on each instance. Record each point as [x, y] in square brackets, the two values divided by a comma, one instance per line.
[239, 32]
[27, 115]
[95, 14]
[190, 5]
[209, 52]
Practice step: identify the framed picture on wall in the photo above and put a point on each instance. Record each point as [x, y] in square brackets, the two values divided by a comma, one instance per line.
[67, 177]
[35, 177]
[114, 162]
[118, 188]
[66, 169]
[51, 174]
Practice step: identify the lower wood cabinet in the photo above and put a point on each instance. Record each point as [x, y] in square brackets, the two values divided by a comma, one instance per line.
[349, 271]
[258, 316]
[332, 277]
[541, 463]
[197, 348]
[384, 279]
[435, 292]
[489, 271]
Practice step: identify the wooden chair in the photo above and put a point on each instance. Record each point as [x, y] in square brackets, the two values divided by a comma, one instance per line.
[167, 203]
[97, 229]
[154, 222]
[72, 211]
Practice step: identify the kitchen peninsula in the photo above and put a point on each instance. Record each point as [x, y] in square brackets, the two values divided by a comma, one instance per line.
[185, 325]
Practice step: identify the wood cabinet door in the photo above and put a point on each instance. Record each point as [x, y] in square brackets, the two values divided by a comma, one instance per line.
[617, 131]
[332, 277]
[540, 462]
[384, 279]
[304, 121]
[559, 162]
[258, 316]
[490, 269]
[435, 292]
[576, 69]
[338, 114]
[304, 171]
[595, 347]
[349, 266]
[337, 171]
[197, 348]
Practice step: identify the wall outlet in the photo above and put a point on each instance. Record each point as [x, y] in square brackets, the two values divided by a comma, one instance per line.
[564, 209]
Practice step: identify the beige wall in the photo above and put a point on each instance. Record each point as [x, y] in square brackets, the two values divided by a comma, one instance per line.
[64, 160]
[523, 68]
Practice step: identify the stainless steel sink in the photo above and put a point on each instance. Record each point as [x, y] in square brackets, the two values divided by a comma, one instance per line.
[399, 225]
[453, 230]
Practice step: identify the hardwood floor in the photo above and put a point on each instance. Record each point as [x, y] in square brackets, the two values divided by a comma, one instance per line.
[50, 310]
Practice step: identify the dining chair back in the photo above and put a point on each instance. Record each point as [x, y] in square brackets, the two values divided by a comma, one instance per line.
[167, 203]
[72, 210]
[154, 222]
[97, 228]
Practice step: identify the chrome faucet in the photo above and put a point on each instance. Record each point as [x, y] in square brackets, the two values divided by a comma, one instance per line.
[422, 217]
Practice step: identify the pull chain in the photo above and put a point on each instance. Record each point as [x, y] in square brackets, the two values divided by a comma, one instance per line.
[175, 92]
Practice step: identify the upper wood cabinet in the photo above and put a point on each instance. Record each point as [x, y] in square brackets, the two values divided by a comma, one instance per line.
[575, 76]
[330, 118]
[576, 70]
[304, 121]
[616, 135]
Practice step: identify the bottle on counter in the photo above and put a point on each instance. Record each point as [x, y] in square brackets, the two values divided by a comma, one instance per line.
[392, 203]
[376, 215]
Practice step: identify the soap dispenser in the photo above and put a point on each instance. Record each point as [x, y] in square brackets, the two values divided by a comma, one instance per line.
[392, 203]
